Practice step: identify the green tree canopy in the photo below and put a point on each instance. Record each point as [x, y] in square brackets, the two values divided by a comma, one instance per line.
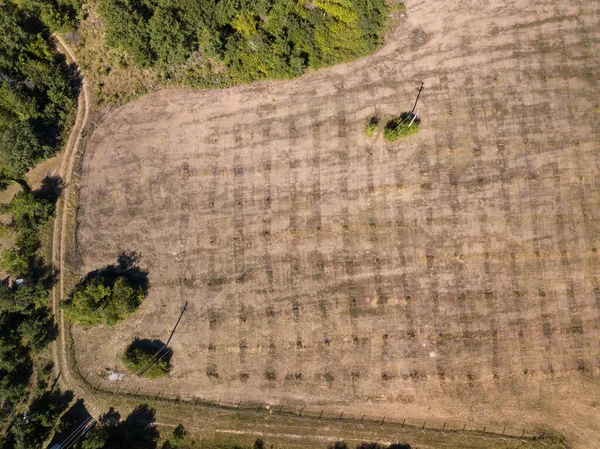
[108, 295]
[256, 39]
[147, 359]
[103, 299]
[37, 92]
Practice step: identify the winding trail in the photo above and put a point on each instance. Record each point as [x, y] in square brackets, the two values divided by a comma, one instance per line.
[60, 225]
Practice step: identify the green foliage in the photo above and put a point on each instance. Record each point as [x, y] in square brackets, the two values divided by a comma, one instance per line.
[344, 445]
[371, 126]
[103, 300]
[26, 323]
[37, 95]
[31, 429]
[13, 262]
[108, 295]
[146, 360]
[398, 127]
[255, 39]
[176, 439]
[29, 210]
[57, 15]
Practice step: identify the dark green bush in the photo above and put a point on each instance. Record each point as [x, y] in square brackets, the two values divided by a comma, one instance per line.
[371, 126]
[147, 359]
[108, 295]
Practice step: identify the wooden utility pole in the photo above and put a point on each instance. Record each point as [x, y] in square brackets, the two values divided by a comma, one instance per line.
[420, 89]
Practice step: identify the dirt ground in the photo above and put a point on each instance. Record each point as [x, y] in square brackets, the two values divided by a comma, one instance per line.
[452, 276]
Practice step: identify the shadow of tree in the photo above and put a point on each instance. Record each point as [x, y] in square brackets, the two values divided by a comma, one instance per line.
[126, 266]
[32, 428]
[137, 431]
[70, 425]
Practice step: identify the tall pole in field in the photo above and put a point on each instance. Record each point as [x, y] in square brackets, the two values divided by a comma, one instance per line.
[418, 95]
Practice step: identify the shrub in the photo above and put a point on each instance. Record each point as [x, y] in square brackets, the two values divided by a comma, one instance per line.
[371, 126]
[399, 127]
[338, 445]
[177, 438]
[147, 359]
[108, 295]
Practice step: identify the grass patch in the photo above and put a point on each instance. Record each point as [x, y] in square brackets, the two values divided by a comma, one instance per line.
[401, 126]
[371, 126]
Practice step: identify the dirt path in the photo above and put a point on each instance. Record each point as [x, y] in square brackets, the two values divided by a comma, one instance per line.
[60, 224]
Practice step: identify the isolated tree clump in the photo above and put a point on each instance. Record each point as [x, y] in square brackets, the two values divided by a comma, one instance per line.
[108, 295]
[147, 358]
[401, 126]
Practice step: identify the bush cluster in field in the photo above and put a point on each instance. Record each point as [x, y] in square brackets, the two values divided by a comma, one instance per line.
[147, 360]
[344, 445]
[404, 125]
[108, 295]
[255, 39]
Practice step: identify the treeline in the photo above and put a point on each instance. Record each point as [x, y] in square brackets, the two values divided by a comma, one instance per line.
[255, 39]
[57, 15]
[37, 90]
[26, 323]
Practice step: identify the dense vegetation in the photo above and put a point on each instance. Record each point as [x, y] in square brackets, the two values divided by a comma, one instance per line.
[255, 39]
[37, 92]
[147, 359]
[108, 295]
[26, 324]
[30, 430]
[57, 15]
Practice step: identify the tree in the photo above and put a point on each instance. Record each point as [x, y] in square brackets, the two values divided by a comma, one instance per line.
[147, 358]
[108, 295]
[256, 39]
[14, 262]
[103, 299]
[37, 93]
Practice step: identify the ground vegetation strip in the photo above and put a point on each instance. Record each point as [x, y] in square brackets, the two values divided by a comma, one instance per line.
[453, 272]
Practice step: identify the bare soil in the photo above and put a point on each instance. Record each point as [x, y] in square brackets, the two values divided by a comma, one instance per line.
[449, 277]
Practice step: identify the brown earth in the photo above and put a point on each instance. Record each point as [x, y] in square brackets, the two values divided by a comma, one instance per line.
[452, 276]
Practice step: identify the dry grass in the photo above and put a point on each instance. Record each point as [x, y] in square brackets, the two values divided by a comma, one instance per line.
[446, 277]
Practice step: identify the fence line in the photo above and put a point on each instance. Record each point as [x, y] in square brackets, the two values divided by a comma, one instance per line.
[320, 416]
